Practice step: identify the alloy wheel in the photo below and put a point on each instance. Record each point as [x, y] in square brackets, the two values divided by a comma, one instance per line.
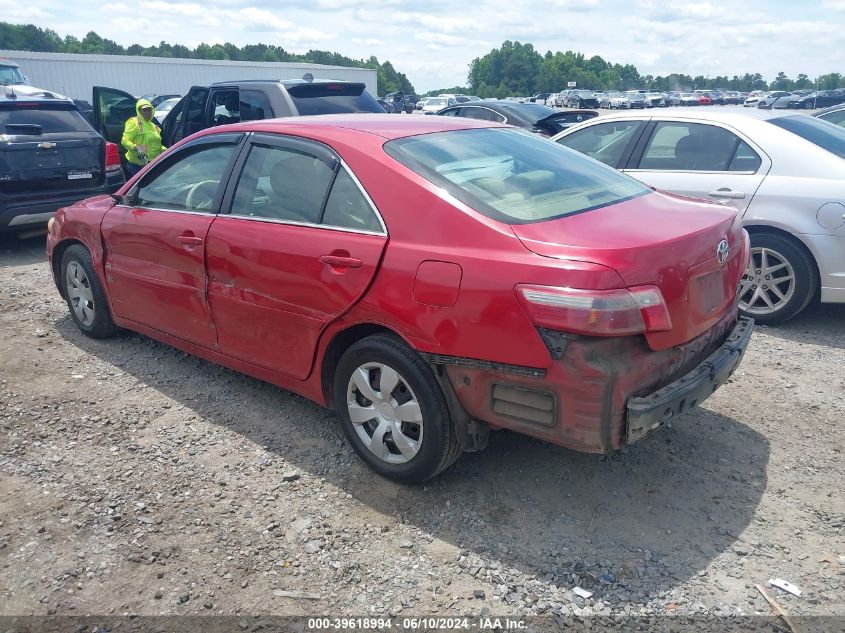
[79, 293]
[768, 283]
[385, 413]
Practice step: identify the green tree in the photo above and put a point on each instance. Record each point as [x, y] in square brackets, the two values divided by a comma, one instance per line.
[782, 82]
[831, 81]
[802, 82]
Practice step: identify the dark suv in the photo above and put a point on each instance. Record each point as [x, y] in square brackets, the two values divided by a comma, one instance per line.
[582, 99]
[50, 157]
[233, 101]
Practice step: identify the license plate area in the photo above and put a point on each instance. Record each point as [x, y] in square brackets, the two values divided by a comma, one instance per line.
[79, 175]
[711, 290]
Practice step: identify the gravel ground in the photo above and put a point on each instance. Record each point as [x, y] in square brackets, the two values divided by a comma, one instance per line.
[137, 479]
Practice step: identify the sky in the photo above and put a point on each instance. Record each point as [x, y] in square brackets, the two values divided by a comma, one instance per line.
[433, 41]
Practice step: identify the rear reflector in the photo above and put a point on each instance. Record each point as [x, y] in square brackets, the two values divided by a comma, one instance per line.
[528, 405]
[596, 312]
[112, 157]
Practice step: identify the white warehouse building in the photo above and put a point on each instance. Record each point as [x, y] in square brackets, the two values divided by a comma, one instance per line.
[75, 75]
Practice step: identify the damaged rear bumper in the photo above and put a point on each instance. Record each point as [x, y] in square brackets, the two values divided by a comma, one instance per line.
[598, 393]
[648, 413]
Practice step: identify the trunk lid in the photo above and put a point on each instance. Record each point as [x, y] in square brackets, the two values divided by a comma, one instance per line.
[51, 162]
[659, 239]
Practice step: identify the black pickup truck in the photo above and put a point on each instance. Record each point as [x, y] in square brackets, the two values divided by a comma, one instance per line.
[233, 101]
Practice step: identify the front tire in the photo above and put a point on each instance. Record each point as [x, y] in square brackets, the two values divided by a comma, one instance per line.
[393, 412]
[779, 282]
[84, 294]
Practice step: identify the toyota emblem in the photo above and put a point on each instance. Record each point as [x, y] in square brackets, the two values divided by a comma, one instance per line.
[722, 251]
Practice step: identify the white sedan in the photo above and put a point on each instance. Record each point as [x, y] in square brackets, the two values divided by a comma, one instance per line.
[784, 172]
[436, 104]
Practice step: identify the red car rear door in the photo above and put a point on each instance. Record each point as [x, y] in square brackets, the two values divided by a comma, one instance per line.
[155, 240]
[300, 245]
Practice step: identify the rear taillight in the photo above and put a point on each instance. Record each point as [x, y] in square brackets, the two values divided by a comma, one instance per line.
[112, 157]
[596, 312]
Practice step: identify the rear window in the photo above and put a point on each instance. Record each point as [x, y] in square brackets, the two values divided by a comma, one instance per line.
[535, 111]
[821, 133]
[24, 120]
[332, 98]
[513, 176]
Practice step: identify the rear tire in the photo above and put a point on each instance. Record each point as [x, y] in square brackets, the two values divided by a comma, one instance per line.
[779, 282]
[402, 430]
[84, 294]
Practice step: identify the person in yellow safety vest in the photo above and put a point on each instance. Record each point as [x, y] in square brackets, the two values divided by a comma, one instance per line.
[141, 137]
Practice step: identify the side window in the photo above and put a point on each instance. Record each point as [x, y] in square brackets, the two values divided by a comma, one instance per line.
[282, 184]
[190, 183]
[195, 112]
[225, 107]
[745, 159]
[452, 112]
[348, 208]
[254, 106]
[689, 147]
[605, 142]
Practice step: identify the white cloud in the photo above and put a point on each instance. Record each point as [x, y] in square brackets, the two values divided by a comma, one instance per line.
[13, 11]
[433, 41]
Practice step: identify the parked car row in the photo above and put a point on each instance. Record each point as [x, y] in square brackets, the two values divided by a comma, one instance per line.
[781, 99]
[632, 99]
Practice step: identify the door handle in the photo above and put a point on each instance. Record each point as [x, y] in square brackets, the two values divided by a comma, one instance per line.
[337, 261]
[191, 240]
[727, 193]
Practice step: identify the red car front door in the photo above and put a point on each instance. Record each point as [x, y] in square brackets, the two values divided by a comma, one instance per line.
[300, 246]
[155, 241]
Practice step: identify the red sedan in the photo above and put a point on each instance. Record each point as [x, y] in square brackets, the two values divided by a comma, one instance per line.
[430, 278]
[704, 100]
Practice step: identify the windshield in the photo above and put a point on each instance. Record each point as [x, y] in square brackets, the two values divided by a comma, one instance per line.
[435, 102]
[511, 176]
[332, 98]
[822, 133]
[10, 75]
